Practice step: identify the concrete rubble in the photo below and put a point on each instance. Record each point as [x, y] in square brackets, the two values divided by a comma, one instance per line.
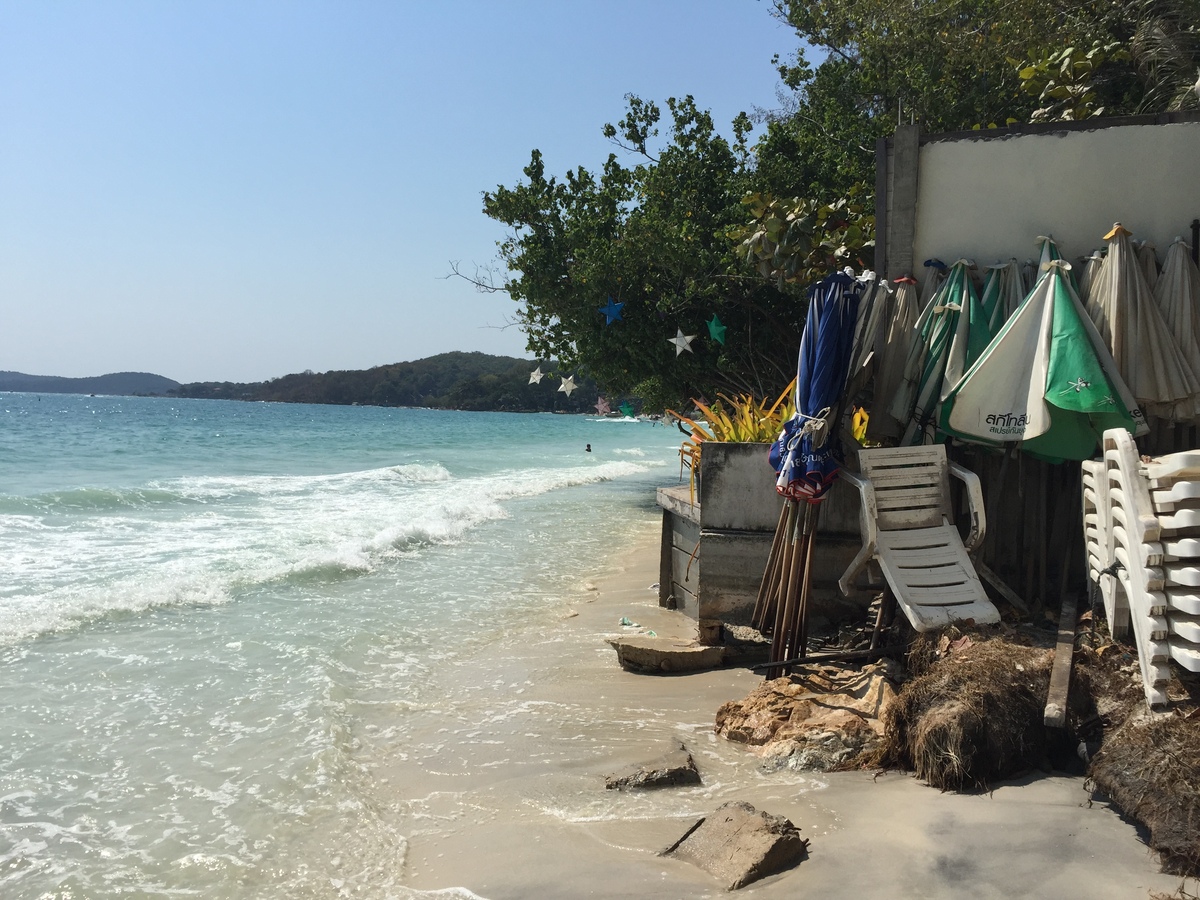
[819, 719]
[738, 844]
[669, 770]
[657, 656]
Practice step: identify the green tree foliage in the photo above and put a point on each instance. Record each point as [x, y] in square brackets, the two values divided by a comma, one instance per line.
[941, 63]
[472, 381]
[1066, 81]
[653, 236]
[798, 241]
[957, 64]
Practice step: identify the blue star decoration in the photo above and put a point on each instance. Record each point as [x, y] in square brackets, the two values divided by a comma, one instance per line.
[716, 330]
[612, 311]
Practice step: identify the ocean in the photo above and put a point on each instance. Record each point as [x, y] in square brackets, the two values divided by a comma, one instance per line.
[217, 620]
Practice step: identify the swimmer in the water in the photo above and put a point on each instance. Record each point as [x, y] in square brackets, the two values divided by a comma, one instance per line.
[588, 448]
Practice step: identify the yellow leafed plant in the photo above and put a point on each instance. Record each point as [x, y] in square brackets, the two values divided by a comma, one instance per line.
[741, 419]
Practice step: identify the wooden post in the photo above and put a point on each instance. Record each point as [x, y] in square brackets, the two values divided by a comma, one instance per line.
[1060, 675]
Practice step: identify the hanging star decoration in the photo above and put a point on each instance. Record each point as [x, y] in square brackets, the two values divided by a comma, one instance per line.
[535, 377]
[716, 330]
[627, 409]
[612, 311]
[681, 341]
[568, 385]
[603, 407]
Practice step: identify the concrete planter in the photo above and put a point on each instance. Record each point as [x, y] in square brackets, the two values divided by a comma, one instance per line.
[715, 550]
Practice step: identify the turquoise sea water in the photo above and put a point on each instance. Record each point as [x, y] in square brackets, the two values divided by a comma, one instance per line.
[205, 605]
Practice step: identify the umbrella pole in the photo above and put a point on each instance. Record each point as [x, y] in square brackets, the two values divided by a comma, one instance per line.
[761, 605]
[779, 592]
[799, 645]
[774, 602]
[993, 503]
[786, 613]
[1043, 525]
[791, 616]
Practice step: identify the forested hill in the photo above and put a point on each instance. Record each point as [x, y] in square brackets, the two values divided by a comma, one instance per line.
[475, 381]
[118, 383]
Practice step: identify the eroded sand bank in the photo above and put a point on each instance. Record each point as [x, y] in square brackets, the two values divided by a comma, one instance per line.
[502, 792]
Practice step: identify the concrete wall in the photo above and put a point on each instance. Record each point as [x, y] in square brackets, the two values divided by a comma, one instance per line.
[737, 487]
[988, 198]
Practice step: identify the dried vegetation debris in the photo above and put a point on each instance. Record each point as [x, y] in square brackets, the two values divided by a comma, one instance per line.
[1147, 763]
[972, 712]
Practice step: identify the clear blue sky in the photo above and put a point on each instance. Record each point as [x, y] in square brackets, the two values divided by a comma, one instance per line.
[239, 190]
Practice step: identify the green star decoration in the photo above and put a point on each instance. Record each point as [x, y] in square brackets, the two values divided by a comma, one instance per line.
[716, 330]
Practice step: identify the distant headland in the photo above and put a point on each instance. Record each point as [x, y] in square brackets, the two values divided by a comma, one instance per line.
[118, 383]
[457, 380]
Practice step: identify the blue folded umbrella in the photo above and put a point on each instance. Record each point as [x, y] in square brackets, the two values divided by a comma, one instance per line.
[807, 454]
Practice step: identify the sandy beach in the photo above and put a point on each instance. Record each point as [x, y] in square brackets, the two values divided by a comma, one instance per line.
[506, 799]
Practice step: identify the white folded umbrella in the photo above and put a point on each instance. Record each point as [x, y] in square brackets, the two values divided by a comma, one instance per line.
[1148, 357]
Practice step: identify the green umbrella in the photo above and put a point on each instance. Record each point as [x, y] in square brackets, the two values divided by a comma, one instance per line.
[1046, 380]
[1003, 291]
[948, 343]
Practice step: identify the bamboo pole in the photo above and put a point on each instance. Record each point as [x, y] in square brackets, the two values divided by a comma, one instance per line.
[791, 602]
[778, 589]
[778, 634]
[799, 645]
[770, 572]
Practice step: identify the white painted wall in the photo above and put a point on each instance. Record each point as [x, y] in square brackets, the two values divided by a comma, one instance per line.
[988, 200]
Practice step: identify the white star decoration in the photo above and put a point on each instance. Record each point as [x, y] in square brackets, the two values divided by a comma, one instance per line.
[535, 377]
[681, 341]
[568, 385]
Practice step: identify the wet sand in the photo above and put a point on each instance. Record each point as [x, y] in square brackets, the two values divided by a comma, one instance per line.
[501, 793]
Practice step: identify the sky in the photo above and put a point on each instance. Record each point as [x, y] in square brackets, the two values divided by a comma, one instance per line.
[234, 191]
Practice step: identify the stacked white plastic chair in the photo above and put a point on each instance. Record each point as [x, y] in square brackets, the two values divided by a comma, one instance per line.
[1142, 535]
[1174, 483]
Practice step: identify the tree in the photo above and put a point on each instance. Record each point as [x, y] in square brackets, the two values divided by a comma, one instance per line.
[654, 237]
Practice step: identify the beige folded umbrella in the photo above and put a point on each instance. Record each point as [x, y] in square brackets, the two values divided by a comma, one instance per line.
[1149, 358]
[873, 294]
[1148, 260]
[899, 328]
[1178, 295]
[1089, 267]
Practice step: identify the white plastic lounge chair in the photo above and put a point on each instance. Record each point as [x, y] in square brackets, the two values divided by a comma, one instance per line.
[907, 525]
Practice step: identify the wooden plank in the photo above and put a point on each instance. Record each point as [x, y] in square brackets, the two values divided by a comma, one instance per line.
[1055, 715]
[1011, 596]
